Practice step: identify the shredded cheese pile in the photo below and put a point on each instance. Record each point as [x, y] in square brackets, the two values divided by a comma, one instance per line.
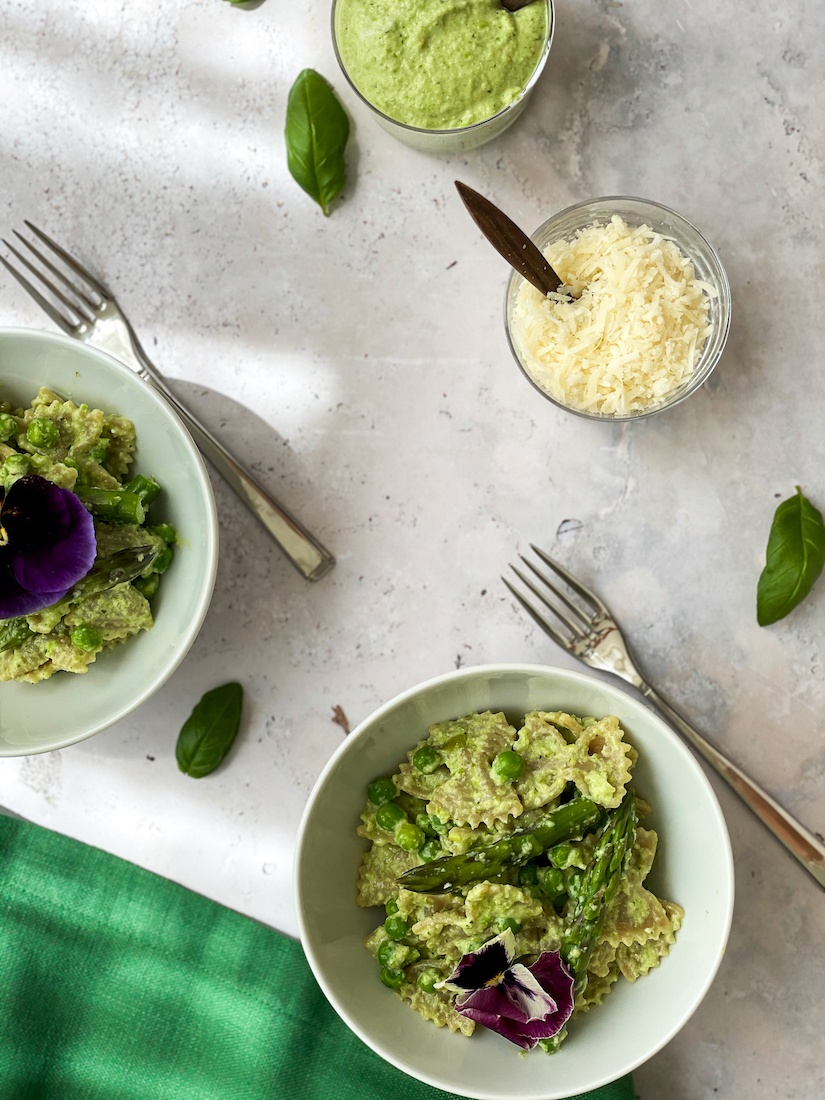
[633, 331]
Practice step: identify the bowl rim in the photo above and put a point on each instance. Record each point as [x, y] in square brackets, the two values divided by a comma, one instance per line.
[190, 632]
[725, 295]
[482, 671]
[457, 130]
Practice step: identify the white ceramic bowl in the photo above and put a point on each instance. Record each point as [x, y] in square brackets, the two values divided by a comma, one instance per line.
[693, 867]
[68, 708]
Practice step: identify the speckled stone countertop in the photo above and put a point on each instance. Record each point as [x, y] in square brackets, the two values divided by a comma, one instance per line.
[359, 364]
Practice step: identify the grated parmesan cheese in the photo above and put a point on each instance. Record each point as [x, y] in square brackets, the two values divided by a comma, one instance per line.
[633, 331]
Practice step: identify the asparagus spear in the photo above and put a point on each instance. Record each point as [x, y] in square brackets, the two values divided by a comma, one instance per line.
[568, 822]
[144, 487]
[599, 884]
[124, 565]
[114, 505]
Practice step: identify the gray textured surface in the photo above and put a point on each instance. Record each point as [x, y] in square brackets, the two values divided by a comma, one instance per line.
[389, 416]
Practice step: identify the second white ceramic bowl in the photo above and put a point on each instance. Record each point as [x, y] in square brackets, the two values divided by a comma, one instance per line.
[693, 867]
[67, 708]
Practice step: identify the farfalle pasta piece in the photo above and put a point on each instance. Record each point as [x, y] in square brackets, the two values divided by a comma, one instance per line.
[596, 990]
[636, 915]
[443, 933]
[436, 1007]
[486, 901]
[472, 795]
[635, 961]
[558, 749]
[379, 869]
[416, 907]
[602, 960]
[546, 756]
[601, 762]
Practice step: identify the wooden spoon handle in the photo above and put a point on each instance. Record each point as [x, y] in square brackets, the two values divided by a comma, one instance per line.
[506, 237]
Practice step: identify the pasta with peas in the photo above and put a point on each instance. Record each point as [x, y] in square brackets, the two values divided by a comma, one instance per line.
[519, 842]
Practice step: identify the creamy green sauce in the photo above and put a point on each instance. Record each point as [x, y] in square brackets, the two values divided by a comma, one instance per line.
[439, 64]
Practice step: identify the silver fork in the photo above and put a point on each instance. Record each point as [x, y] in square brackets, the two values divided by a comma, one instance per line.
[593, 637]
[84, 308]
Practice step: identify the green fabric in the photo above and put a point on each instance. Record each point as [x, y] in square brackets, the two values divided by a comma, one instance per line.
[119, 985]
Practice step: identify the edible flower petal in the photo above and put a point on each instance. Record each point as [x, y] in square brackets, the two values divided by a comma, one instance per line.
[521, 1003]
[47, 544]
[484, 967]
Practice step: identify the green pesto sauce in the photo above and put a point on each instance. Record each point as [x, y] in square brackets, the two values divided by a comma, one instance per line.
[439, 64]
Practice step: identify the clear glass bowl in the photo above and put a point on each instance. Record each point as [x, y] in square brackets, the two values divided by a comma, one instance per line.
[707, 267]
[463, 137]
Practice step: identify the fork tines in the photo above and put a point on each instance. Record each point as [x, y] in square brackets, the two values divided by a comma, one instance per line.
[578, 620]
[85, 296]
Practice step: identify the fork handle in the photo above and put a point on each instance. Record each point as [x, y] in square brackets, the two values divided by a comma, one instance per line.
[308, 556]
[801, 843]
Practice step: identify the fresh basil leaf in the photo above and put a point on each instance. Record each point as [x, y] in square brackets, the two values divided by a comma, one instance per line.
[317, 128]
[208, 733]
[793, 560]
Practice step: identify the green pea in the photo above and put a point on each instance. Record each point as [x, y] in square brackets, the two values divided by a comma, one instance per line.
[393, 979]
[16, 465]
[38, 461]
[381, 790]
[42, 432]
[551, 881]
[8, 426]
[424, 823]
[396, 927]
[505, 924]
[562, 855]
[86, 637]
[427, 979]
[426, 759]
[391, 908]
[147, 586]
[163, 560]
[388, 816]
[430, 850]
[508, 765]
[165, 531]
[528, 875]
[408, 836]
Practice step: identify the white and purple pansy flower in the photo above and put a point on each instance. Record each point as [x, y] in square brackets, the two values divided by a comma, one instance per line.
[522, 1003]
[47, 544]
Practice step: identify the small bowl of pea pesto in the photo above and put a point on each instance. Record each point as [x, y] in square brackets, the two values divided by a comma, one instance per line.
[442, 75]
[108, 541]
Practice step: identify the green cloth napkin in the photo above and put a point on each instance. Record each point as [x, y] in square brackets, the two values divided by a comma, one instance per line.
[116, 984]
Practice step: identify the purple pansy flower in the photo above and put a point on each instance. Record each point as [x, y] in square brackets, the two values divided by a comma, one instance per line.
[522, 1003]
[47, 543]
